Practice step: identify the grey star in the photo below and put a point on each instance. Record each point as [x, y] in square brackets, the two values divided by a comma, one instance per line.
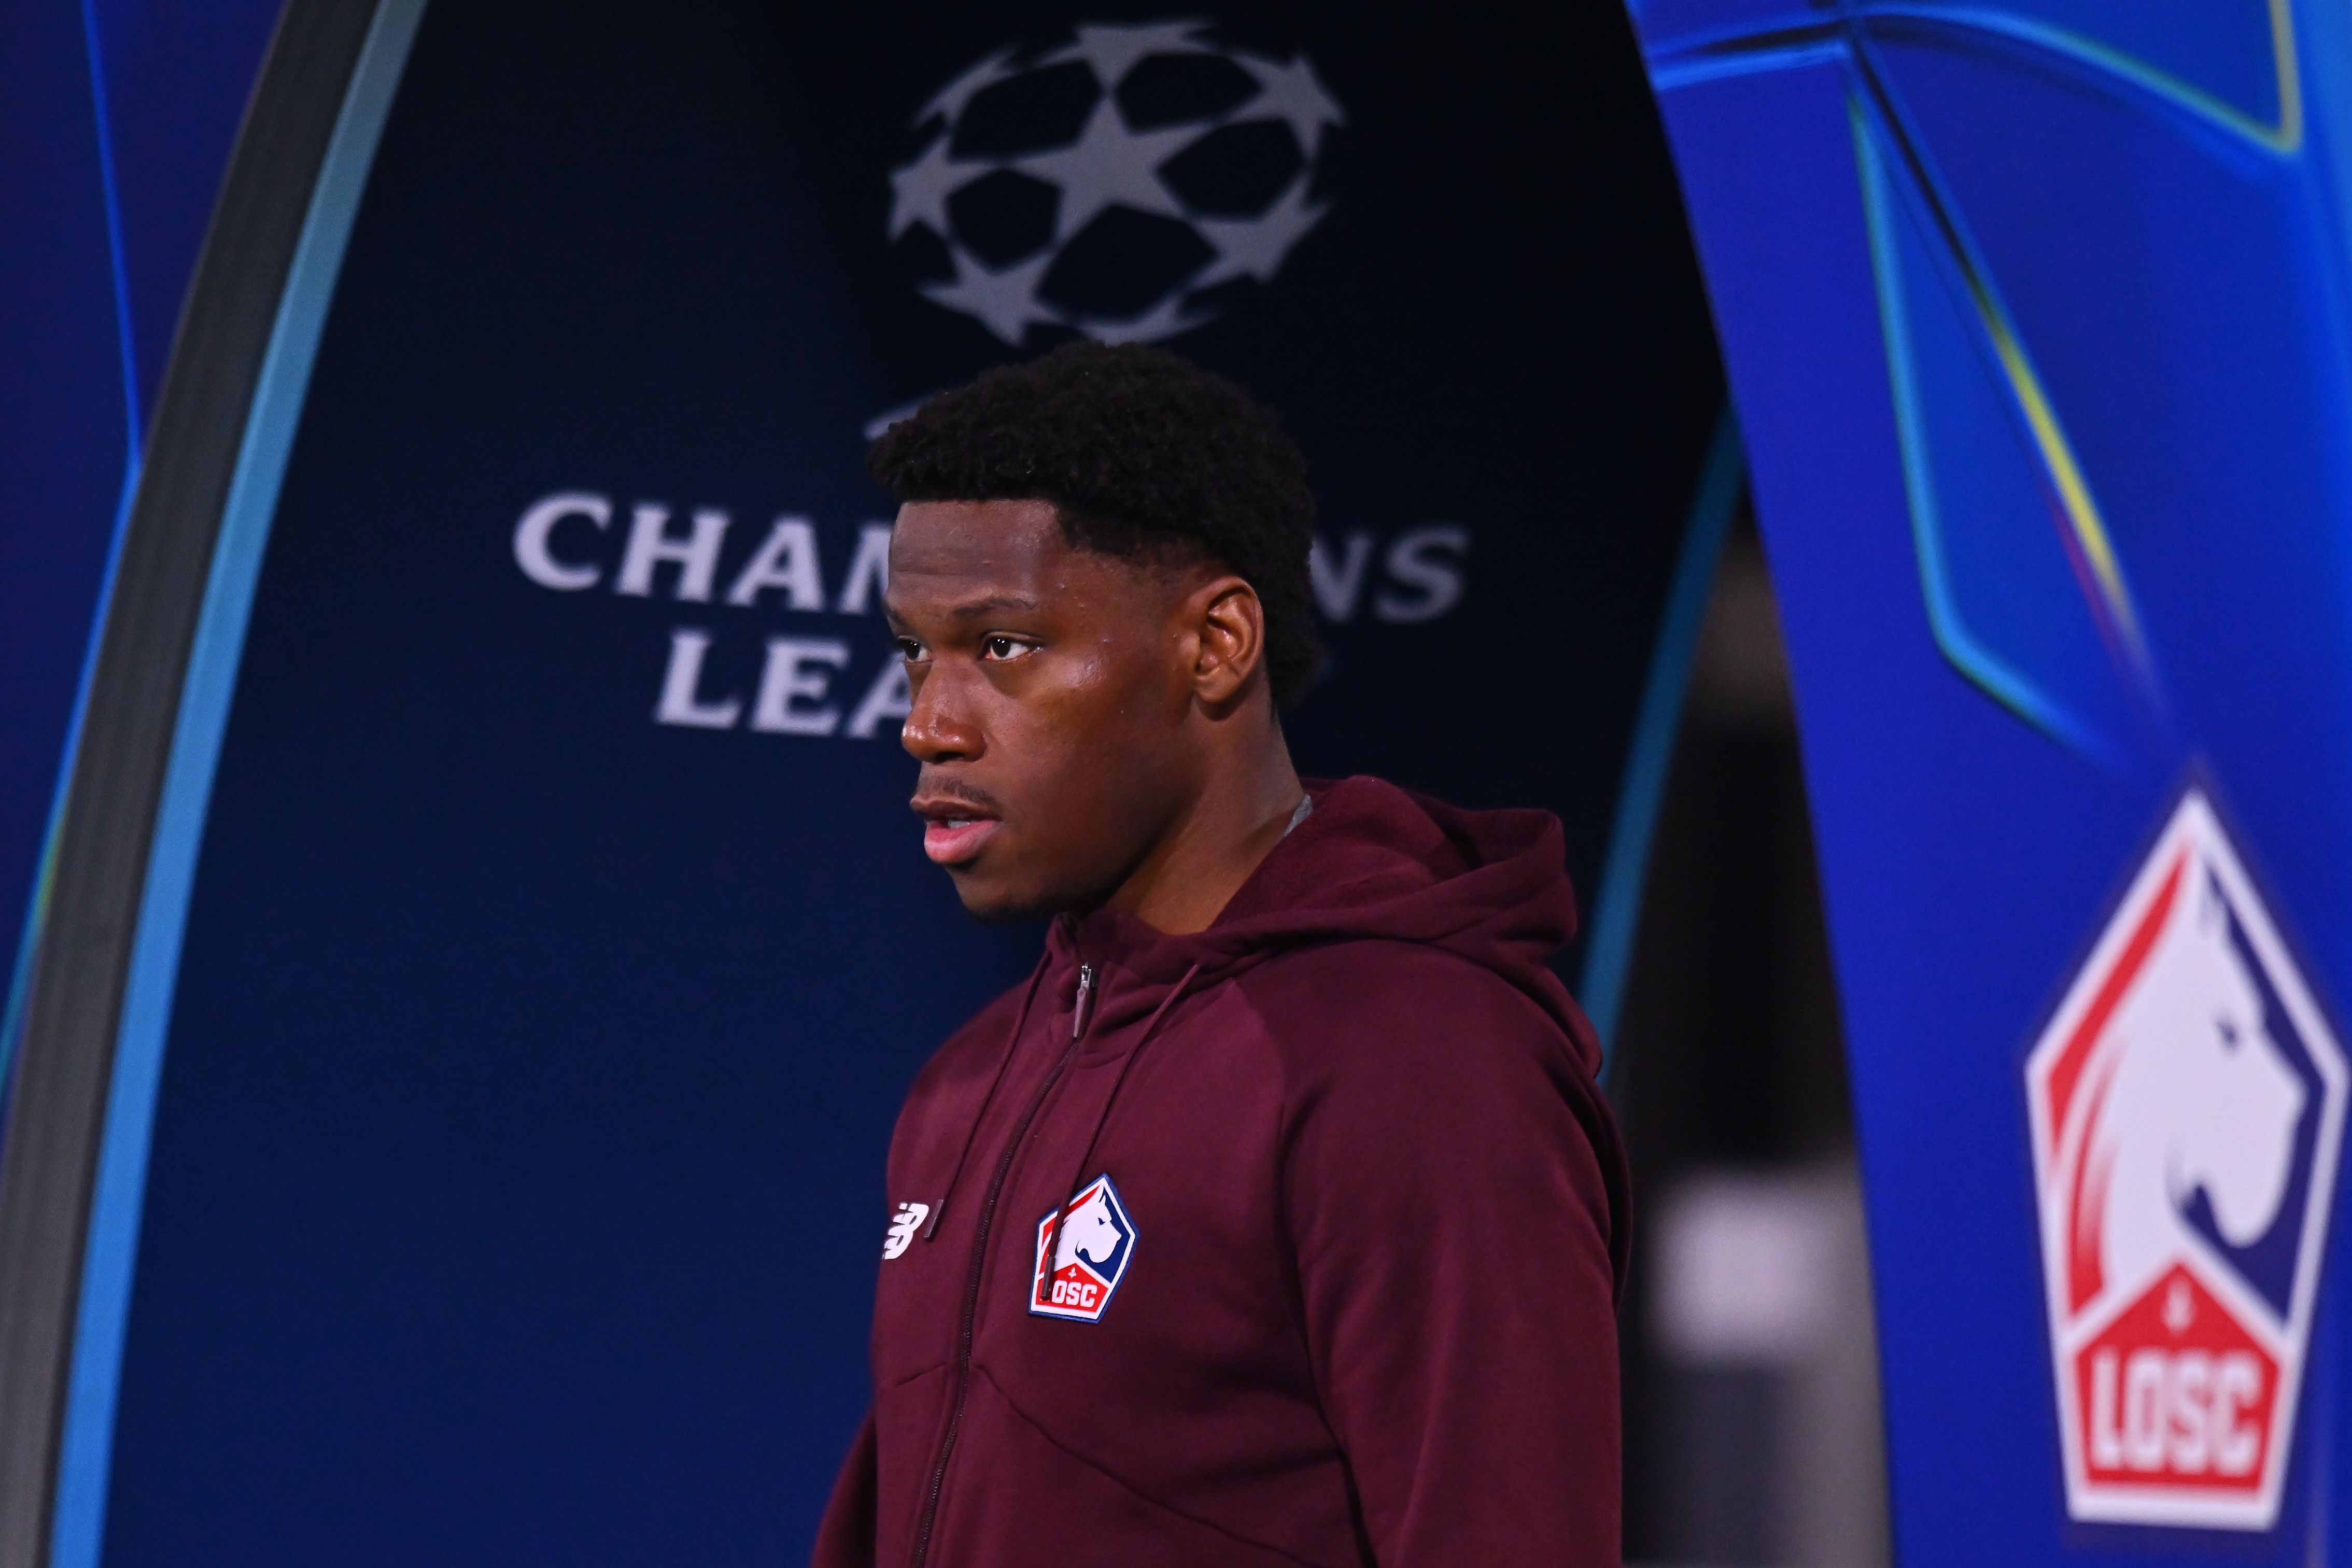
[1004, 303]
[1254, 247]
[1111, 48]
[920, 192]
[950, 98]
[1109, 163]
[873, 428]
[1165, 319]
[1292, 93]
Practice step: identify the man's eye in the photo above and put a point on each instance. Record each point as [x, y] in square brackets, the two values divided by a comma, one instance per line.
[911, 650]
[1002, 648]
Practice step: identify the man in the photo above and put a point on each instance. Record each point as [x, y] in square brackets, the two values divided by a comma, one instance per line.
[1335, 1212]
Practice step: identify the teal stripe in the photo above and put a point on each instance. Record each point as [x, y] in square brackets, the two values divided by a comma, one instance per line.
[1674, 69]
[1984, 669]
[2113, 67]
[87, 1452]
[1609, 952]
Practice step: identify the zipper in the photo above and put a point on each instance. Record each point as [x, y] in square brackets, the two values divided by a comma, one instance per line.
[1080, 1016]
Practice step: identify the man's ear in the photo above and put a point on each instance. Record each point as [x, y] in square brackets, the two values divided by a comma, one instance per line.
[1230, 625]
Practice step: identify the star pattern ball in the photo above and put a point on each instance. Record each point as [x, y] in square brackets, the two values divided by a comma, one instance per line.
[1123, 184]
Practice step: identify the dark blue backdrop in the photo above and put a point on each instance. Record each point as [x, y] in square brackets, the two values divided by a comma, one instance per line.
[514, 1185]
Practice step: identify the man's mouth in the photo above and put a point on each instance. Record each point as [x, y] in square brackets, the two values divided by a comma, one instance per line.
[954, 830]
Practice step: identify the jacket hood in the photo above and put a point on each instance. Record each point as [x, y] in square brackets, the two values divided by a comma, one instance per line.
[1371, 860]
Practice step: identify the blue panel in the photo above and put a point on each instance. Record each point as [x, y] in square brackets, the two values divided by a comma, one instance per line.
[120, 1187]
[2035, 322]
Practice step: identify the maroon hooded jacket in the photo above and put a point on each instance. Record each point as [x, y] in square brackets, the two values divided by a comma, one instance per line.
[1347, 1296]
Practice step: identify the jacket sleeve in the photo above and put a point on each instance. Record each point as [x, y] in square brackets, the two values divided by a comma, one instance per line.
[1452, 1228]
[845, 1538]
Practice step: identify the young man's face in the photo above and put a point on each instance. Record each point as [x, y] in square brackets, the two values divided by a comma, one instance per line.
[1051, 686]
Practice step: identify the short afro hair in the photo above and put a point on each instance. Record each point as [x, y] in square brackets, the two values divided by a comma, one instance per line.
[1143, 456]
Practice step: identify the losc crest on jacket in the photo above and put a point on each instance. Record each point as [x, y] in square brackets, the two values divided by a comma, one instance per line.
[1096, 1243]
[2187, 1101]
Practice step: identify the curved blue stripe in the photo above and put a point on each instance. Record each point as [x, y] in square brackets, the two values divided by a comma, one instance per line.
[1786, 43]
[1668, 73]
[87, 1453]
[2111, 67]
[1609, 952]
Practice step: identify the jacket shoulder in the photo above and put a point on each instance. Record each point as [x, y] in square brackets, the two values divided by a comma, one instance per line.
[1372, 1001]
[1401, 1060]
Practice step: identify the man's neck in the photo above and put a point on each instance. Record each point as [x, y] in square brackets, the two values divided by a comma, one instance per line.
[1194, 872]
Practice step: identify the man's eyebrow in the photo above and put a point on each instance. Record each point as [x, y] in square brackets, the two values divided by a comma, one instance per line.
[993, 605]
[971, 610]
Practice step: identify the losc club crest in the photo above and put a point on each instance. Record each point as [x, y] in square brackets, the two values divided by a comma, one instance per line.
[1096, 1243]
[2187, 1101]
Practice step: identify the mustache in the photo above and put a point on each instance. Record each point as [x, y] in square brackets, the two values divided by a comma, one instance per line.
[928, 786]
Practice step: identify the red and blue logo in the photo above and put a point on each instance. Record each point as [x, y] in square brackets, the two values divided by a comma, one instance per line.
[1090, 1257]
[2187, 1102]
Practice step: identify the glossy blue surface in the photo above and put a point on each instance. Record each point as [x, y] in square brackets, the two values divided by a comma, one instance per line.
[2035, 322]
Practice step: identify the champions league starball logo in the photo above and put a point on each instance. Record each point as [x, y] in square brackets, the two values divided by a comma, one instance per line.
[2188, 1101]
[1125, 181]
[1122, 184]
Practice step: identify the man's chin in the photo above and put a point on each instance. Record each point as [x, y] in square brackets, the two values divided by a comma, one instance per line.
[991, 904]
[1008, 912]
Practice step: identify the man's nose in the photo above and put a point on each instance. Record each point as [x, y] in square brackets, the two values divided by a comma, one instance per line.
[939, 727]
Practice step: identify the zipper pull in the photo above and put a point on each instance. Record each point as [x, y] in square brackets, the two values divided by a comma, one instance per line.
[1079, 1011]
